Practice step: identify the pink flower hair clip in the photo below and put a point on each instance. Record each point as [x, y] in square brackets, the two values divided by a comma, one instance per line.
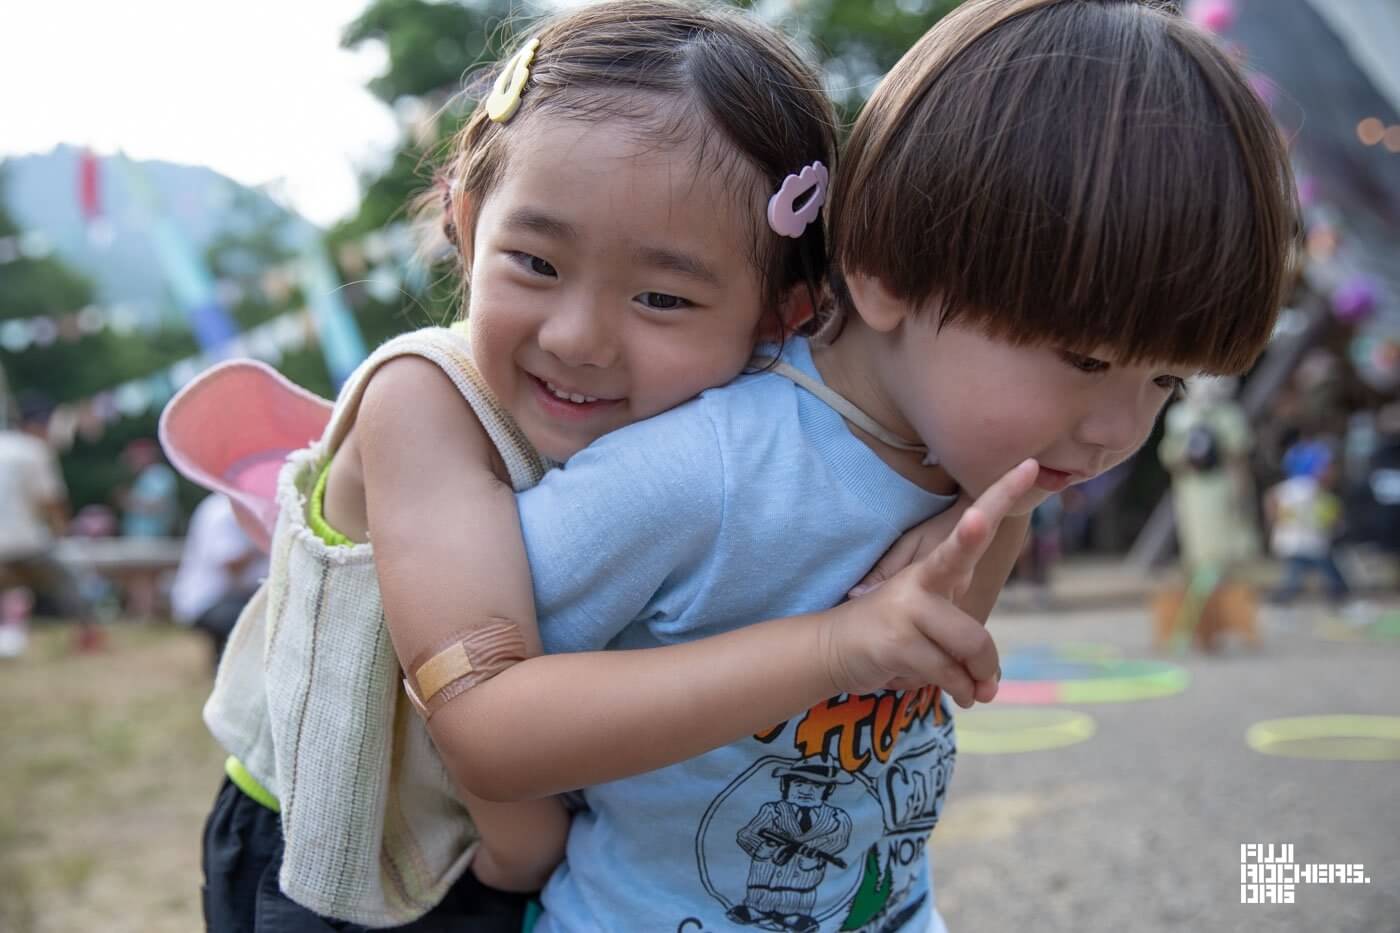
[784, 215]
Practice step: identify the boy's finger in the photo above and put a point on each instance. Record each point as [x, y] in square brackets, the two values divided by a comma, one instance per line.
[996, 503]
[954, 561]
[931, 664]
[961, 637]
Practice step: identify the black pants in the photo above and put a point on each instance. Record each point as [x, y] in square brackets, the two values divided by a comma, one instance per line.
[243, 854]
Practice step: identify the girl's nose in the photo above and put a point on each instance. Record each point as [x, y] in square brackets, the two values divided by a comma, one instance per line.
[579, 333]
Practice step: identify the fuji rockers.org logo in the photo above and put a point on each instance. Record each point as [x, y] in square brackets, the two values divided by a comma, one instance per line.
[1269, 874]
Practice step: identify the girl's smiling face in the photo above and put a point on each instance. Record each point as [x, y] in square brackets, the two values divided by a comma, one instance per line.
[611, 279]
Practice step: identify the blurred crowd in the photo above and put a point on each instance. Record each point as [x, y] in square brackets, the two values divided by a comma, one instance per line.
[124, 558]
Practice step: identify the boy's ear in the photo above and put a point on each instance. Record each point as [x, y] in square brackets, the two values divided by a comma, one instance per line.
[881, 311]
[795, 309]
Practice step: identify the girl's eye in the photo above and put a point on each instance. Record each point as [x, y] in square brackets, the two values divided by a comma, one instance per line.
[534, 264]
[1085, 364]
[660, 301]
[1173, 384]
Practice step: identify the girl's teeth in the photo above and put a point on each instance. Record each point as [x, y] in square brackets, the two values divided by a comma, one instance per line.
[570, 396]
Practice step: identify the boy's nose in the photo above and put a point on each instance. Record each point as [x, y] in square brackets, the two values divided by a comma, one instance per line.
[1114, 428]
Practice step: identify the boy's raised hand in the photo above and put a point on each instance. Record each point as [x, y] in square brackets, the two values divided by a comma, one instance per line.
[908, 632]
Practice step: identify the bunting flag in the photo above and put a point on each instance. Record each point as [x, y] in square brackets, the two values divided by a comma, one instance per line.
[88, 417]
[190, 282]
[89, 190]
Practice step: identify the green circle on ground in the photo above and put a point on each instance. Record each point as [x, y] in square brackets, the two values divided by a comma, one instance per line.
[1124, 681]
[1082, 673]
[1018, 729]
[1330, 738]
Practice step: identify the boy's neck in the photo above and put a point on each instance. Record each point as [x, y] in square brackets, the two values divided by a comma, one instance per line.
[851, 366]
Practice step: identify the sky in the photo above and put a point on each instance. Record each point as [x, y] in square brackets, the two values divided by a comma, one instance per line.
[258, 90]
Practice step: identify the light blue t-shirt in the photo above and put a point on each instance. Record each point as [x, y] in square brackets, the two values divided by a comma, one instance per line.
[751, 502]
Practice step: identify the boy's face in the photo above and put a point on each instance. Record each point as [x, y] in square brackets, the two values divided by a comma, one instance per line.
[983, 405]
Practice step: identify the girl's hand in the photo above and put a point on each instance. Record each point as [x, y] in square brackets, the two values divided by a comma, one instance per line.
[908, 632]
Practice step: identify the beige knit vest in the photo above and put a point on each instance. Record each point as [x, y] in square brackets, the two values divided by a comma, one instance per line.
[309, 696]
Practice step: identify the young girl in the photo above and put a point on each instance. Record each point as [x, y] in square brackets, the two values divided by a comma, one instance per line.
[635, 203]
[1050, 212]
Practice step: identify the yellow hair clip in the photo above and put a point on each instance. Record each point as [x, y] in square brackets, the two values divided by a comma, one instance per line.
[505, 96]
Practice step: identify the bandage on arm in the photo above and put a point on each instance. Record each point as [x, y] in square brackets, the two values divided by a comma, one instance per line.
[439, 674]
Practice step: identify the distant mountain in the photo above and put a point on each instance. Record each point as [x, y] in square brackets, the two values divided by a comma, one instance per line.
[41, 192]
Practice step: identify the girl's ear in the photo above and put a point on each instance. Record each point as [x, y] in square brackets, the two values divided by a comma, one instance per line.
[794, 309]
[463, 219]
[881, 311]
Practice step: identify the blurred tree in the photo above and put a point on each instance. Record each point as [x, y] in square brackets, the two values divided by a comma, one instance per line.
[857, 41]
[70, 369]
[435, 47]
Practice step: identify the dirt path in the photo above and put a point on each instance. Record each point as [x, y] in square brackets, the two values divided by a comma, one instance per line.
[107, 773]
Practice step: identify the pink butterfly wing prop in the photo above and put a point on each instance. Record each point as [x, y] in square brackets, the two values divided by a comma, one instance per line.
[231, 428]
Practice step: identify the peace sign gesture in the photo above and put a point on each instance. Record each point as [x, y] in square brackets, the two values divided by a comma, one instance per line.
[909, 632]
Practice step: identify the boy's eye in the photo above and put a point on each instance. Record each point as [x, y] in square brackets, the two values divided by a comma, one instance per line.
[1173, 384]
[534, 264]
[660, 301]
[1086, 364]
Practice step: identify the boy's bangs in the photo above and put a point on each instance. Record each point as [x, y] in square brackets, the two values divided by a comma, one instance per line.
[1151, 216]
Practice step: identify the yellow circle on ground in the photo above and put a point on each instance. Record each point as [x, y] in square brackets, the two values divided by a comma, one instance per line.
[1333, 738]
[1020, 729]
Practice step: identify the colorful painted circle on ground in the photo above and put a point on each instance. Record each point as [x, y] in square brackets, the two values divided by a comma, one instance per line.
[1331, 738]
[1084, 673]
[1386, 628]
[992, 731]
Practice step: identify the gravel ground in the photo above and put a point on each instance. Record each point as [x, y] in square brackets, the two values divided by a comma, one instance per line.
[1139, 828]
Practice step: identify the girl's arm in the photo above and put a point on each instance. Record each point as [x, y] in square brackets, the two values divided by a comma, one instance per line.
[568, 720]
[449, 557]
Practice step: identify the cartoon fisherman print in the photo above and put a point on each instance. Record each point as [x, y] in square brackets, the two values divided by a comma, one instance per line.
[790, 843]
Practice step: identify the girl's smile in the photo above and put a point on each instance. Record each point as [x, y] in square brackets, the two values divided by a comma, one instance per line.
[609, 285]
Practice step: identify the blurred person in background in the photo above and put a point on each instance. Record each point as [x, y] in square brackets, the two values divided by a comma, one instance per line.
[220, 568]
[149, 505]
[1205, 448]
[33, 512]
[150, 509]
[1305, 517]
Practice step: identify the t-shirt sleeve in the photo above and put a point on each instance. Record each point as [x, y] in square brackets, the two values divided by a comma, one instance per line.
[624, 530]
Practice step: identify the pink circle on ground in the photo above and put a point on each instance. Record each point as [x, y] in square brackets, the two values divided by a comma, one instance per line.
[1028, 691]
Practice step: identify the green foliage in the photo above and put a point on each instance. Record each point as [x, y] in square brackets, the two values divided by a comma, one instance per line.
[857, 41]
[432, 45]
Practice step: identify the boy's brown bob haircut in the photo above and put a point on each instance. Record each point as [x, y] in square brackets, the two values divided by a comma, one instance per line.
[1086, 173]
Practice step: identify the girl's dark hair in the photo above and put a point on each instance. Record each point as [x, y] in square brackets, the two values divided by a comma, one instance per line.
[1082, 172]
[755, 110]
